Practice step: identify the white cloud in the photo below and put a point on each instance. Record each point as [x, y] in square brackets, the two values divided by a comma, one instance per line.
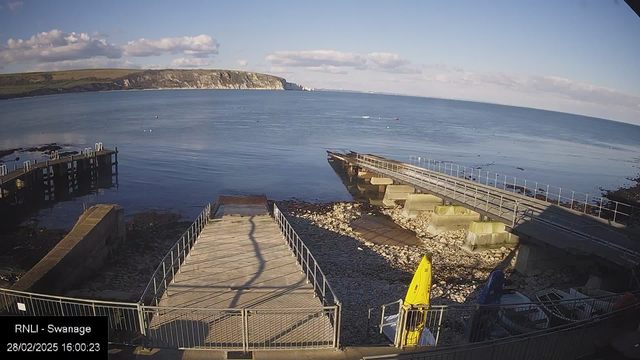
[334, 61]
[539, 86]
[85, 64]
[56, 45]
[154, 66]
[387, 60]
[279, 70]
[328, 69]
[242, 62]
[14, 5]
[197, 46]
[316, 58]
[195, 62]
[99, 34]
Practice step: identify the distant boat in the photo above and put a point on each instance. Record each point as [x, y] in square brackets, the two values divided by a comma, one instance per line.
[365, 116]
[396, 119]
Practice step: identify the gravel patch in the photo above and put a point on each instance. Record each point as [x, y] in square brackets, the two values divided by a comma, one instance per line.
[365, 275]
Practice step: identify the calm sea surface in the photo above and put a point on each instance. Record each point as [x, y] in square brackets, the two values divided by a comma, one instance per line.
[205, 143]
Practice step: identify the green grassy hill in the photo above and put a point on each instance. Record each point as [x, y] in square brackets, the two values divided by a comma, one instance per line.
[60, 82]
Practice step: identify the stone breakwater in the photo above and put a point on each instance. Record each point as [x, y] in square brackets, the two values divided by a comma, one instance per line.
[365, 275]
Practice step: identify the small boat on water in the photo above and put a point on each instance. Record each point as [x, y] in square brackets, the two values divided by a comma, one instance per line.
[396, 119]
[522, 316]
[564, 308]
[365, 116]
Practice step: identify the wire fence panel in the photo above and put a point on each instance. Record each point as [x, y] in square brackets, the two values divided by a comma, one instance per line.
[569, 341]
[586, 203]
[194, 328]
[271, 329]
[503, 205]
[124, 320]
[310, 267]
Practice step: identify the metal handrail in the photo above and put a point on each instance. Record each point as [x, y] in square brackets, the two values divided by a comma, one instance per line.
[466, 350]
[299, 249]
[64, 298]
[599, 205]
[500, 204]
[176, 255]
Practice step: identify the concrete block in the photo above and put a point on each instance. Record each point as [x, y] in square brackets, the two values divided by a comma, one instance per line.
[489, 234]
[381, 181]
[487, 227]
[398, 192]
[363, 174]
[418, 203]
[446, 218]
[388, 202]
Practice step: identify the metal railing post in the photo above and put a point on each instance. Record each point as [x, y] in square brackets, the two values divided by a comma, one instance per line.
[439, 326]
[155, 290]
[559, 196]
[586, 201]
[164, 278]
[245, 330]
[173, 274]
[141, 319]
[600, 211]
[547, 195]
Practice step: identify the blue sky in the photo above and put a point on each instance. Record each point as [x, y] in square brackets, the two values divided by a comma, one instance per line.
[577, 56]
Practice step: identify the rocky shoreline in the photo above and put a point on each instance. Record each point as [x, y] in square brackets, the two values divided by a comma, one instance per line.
[365, 275]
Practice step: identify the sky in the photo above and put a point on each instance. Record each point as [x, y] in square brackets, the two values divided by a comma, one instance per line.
[576, 56]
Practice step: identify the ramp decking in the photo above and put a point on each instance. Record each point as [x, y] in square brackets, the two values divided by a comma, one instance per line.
[241, 263]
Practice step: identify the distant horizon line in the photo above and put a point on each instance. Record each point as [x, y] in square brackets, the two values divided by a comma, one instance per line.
[340, 90]
[472, 101]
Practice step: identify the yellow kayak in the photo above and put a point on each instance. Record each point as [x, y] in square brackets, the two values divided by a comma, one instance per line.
[418, 297]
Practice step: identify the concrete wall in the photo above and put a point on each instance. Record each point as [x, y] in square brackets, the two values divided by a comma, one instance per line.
[533, 259]
[79, 254]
